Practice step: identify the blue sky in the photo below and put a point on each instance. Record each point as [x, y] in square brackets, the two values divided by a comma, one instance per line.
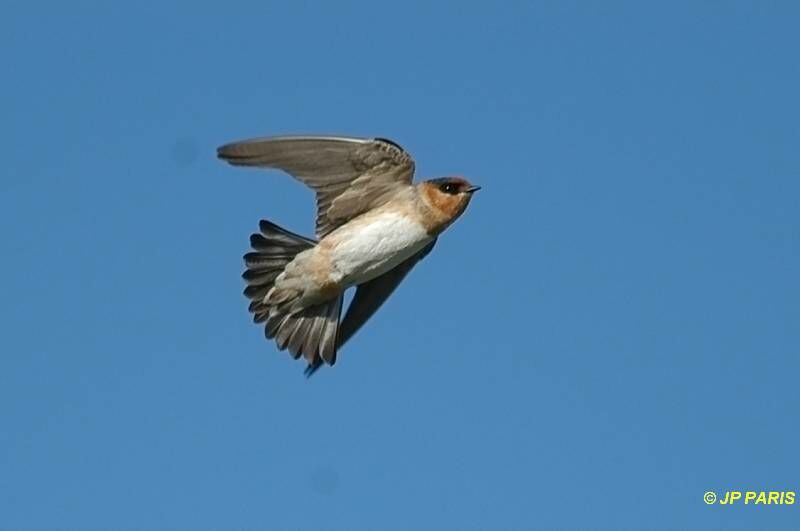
[609, 332]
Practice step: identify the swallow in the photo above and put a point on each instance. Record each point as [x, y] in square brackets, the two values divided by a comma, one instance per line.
[373, 226]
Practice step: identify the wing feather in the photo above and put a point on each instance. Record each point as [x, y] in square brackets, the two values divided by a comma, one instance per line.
[349, 175]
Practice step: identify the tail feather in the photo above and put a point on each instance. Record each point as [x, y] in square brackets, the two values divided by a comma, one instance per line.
[274, 248]
[328, 343]
[312, 337]
[310, 332]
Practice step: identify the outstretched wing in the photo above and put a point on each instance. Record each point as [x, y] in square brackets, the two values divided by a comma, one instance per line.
[349, 175]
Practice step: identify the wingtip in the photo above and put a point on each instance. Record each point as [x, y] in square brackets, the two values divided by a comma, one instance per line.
[228, 153]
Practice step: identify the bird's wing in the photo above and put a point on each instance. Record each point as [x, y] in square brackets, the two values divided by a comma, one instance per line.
[371, 295]
[349, 175]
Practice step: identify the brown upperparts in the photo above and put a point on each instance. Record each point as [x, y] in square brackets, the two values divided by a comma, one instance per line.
[446, 199]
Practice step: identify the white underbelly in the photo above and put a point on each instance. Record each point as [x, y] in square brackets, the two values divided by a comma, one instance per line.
[367, 249]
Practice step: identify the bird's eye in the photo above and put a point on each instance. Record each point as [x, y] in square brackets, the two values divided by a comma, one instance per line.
[449, 188]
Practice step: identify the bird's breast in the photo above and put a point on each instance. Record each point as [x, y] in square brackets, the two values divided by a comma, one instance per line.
[370, 246]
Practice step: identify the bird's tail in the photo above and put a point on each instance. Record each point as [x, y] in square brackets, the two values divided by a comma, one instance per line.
[311, 332]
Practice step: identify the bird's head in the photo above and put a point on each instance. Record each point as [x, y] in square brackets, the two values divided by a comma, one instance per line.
[448, 197]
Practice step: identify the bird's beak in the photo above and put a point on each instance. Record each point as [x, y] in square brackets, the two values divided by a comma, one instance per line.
[472, 189]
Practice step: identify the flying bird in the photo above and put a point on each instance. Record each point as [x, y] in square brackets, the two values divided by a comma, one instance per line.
[373, 226]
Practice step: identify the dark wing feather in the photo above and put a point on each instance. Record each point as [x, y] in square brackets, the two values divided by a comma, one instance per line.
[349, 175]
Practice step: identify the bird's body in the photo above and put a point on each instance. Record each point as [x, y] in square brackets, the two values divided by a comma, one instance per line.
[353, 254]
[372, 245]
[373, 226]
